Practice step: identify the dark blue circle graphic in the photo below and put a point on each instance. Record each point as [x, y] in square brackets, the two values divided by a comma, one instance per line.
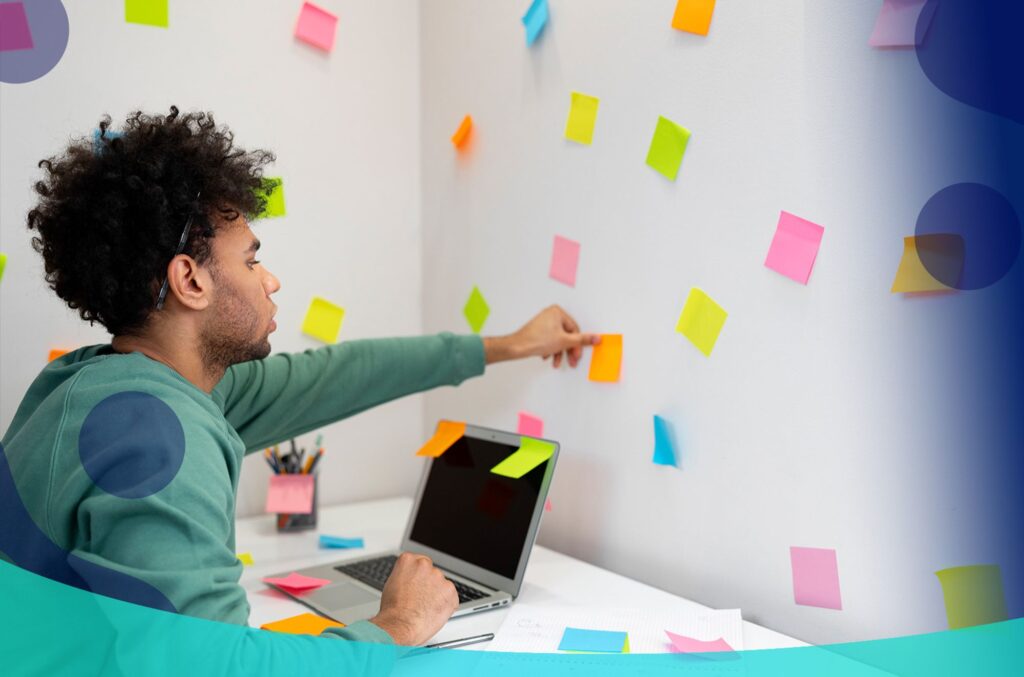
[983, 226]
[131, 444]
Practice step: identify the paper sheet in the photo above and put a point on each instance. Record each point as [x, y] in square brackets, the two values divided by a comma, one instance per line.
[146, 12]
[535, 19]
[245, 558]
[3, 264]
[944, 255]
[316, 26]
[476, 310]
[565, 257]
[816, 577]
[598, 641]
[606, 359]
[290, 494]
[664, 450]
[446, 434]
[794, 247]
[339, 542]
[974, 595]
[274, 192]
[297, 582]
[582, 117]
[303, 624]
[536, 629]
[462, 133]
[701, 320]
[55, 353]
[667, 147]
[323, 320]
[530, 454]
[693, 16]
[530, 425]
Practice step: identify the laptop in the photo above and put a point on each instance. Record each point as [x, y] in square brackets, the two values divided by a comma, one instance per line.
[477, 527]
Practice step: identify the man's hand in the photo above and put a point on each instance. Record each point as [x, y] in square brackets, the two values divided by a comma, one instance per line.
[552, 332]
[416, 602]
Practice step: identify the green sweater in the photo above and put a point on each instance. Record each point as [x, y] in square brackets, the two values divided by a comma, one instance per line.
[122, 463]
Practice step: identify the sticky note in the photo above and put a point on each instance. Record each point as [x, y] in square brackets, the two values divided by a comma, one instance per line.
[667, 147]
[316, 26]
[599, 641]
[535, 19]
[339, 542]
[146, 12]
[297, 582]
[701, 320]
[794, 247]
[664, 451]
[815, 577]
[693, 16]
[245, 558]
[303, 624]
[902, 23]
[323, 320]
[684, 644]
[606, 359]
[945, 258]
[973, 594]
[547, 505]
[530, 425]
[3, 264]
[462, 133]
[447, 434]
[582, 116]
[565, 257]
[476, 310]
[273, 192]
[15, 33]
[55, 353]
[529, 455]
[290, 494]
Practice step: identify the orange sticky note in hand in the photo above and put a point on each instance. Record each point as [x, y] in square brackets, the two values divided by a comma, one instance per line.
[606, 360]
[693, 16]
[303, 624]
[462, 133]
[448, 433]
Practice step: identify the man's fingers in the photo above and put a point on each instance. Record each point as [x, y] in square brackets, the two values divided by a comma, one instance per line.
[558, 360]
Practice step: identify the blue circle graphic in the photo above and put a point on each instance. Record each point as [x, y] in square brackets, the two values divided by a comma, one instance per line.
[131, 444]
[39, 32]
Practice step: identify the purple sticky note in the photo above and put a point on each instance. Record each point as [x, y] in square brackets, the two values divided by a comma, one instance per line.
[530, 425]
[794, 247]
[684, 644]
[290, 494]
[316, 26]
[297, 582]
[564, 258]
[900, 23]
[815, 577]
[14, 31]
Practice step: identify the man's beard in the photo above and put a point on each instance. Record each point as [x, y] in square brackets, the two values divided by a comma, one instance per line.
[234, 337]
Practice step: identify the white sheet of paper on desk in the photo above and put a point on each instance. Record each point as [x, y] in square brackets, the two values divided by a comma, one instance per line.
[534, 629]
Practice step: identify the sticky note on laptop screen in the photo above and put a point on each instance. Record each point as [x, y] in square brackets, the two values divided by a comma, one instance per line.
[531, 453]
[447, 434]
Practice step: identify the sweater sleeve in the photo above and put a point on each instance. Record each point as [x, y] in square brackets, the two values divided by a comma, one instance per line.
[288, 394]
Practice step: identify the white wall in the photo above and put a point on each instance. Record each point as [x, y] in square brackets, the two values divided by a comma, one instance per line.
[345, 129]
[816, 420]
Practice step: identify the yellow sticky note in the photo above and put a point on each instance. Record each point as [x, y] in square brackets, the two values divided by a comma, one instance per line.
[3, 264]
[973, 594]
[476, 310]
[606, 359]
[693, 16]
[701, 320]
[323, 320]
[303, 624]
[273, 191]
[531, 453]
[942, 255]
[667, 147]
[245, 558]
[146, 12]
[582, 116]
[447, 434]
[462, 133]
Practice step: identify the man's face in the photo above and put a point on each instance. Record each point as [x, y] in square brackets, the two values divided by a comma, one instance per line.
[241, 315]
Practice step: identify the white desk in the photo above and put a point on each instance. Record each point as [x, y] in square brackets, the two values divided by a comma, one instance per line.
[552, 579]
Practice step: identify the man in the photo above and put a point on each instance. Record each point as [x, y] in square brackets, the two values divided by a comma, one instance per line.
[126, 456]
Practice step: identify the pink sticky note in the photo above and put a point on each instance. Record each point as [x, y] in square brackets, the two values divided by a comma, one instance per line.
[291, 494]
[794, 247]
[684, 644]
[316, 26]
[815, 577]
[14, 31]
[564, 258]
[297, 582]
[547, 505]
[530, 425]
[900, 23]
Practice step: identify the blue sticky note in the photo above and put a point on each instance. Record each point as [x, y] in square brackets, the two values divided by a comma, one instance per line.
[664, 452]
[339, 542]
[603, 641]
[535, 19]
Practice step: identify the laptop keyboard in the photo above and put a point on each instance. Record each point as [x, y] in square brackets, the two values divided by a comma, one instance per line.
[374, 572]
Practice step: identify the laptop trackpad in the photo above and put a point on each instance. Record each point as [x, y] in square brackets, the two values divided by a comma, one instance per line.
[343, 595]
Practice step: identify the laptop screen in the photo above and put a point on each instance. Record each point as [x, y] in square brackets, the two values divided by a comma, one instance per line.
[469, 512]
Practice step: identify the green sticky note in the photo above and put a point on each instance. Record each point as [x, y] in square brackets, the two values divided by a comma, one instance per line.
[667, 148]
[146, 12]
[582, 116]
[323, 320]
[973, 594]
[530, 454]
[3, 264]
[273, 191]
[701, 320]
[476, 310]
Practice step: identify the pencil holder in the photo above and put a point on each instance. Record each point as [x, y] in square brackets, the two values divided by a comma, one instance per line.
[297, 521]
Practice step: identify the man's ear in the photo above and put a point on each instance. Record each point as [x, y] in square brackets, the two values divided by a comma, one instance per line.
[190, 284]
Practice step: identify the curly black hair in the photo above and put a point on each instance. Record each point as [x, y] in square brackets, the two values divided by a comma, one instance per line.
[112, 208]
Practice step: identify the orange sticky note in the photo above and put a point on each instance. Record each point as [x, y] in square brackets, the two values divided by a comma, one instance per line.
[55, 353]
[606, 359]
[448, 433]
[303, 624]
[693, 16]
[462, 133]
